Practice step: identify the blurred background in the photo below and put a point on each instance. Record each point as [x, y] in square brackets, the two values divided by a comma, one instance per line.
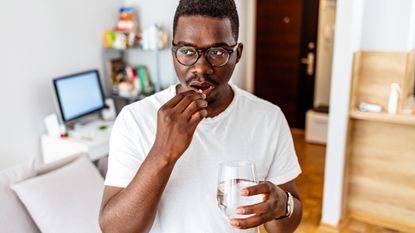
[342, 71]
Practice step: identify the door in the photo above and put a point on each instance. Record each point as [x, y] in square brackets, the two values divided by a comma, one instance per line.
[285, 57]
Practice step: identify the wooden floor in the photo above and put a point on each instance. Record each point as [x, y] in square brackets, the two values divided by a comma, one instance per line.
[310, 185]
[310, 182]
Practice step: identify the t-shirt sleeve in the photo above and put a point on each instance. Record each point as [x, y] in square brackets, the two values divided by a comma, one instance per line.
[124, 158]
[284, 166]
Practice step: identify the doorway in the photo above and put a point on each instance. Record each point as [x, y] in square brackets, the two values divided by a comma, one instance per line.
[286, 36]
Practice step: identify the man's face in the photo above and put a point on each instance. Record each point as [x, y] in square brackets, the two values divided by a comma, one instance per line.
[203, 32]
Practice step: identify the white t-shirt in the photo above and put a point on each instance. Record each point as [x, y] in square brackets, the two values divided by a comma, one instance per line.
[249, 129]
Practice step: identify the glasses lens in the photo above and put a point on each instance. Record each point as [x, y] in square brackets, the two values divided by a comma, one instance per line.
[217, 56]
[186, 55]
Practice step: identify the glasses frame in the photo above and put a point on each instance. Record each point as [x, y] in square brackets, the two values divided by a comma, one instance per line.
[203, 51]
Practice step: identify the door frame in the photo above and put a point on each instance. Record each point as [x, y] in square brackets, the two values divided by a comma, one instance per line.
[250, 46]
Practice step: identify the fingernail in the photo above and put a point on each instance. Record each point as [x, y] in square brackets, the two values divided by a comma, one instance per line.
[203, 96]
[244, 192]
[240, 211]
[234, 223]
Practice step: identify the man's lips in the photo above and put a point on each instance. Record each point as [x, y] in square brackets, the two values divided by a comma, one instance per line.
[203, 87]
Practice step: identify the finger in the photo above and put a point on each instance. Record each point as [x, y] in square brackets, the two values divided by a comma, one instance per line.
[197, 117]
[187, 99]
[194, 106]
[245, 223]
[262, 188]
[259, 208]
[176, 99]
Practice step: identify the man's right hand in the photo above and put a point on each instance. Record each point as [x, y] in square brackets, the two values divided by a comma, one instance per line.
[176, 123]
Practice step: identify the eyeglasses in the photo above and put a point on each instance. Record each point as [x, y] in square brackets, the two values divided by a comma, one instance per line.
[216, 56]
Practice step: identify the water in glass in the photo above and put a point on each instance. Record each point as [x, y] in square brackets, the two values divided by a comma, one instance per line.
[233, 176]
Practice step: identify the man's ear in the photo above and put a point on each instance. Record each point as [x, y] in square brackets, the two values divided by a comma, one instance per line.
[239, 50]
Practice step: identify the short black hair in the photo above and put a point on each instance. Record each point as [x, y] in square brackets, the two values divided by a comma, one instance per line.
[214, 8]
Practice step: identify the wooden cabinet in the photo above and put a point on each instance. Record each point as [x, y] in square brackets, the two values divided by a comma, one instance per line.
[380, 170]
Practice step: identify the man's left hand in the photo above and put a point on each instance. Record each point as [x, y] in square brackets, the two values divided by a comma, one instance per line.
[273, 205]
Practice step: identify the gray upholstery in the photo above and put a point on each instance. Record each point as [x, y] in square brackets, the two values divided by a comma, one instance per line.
[14, 217]
[64, 200]
[48, 190]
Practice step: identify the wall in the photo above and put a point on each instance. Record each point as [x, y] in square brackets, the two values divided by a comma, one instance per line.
[412, 29]
[387, 25]
[359, 26]
[41, 40]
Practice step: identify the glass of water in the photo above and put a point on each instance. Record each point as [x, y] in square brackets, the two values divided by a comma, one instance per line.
[233, 176]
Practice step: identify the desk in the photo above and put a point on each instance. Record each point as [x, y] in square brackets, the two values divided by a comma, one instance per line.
[89, 139]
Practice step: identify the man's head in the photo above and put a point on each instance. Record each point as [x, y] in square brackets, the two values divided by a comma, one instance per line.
[205, 48]
[213, 8]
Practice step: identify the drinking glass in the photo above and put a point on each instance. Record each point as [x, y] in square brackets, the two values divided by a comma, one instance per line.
[233, 176]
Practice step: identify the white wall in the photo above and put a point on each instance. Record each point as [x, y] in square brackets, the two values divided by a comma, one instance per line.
[387, 25]
[412, 29]
[40, 40]
[358, 27]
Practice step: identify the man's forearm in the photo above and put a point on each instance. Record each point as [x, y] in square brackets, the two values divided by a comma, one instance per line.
[134, 208]
[286, 225]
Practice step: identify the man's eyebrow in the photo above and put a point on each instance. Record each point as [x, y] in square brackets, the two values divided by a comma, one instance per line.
[219, 44]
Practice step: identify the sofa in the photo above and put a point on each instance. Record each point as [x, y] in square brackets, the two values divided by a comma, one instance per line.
[63, 196]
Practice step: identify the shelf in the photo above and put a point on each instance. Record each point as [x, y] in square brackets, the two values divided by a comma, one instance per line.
[383, 117]
[122, 54]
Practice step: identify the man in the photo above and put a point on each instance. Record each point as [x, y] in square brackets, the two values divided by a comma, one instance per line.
[165, 150]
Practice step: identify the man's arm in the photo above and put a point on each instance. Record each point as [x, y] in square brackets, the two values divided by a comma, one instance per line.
[133, 208]
[273, 206]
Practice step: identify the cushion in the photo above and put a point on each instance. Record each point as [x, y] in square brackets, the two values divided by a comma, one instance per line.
[48, 167]
[66, 199]
[102, 165]
[14, 217]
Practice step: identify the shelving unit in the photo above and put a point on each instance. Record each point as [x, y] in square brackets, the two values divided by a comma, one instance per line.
[380, 167]
[108, 53]
[122, 54]
[400, 119]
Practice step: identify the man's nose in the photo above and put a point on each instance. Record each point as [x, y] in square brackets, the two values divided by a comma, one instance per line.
[202, 66]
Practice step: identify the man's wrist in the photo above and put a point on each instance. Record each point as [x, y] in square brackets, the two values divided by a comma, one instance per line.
[163, 157]
[289, 206]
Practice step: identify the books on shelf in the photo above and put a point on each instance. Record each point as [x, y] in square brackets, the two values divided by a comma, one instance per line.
[129, 81]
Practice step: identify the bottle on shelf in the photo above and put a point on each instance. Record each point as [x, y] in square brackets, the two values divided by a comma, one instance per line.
[394, 98]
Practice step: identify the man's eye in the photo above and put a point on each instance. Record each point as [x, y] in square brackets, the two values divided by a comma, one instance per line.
[216, 52]
[187, 52]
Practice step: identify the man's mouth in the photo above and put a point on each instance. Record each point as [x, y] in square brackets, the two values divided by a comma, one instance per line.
[203, 87]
